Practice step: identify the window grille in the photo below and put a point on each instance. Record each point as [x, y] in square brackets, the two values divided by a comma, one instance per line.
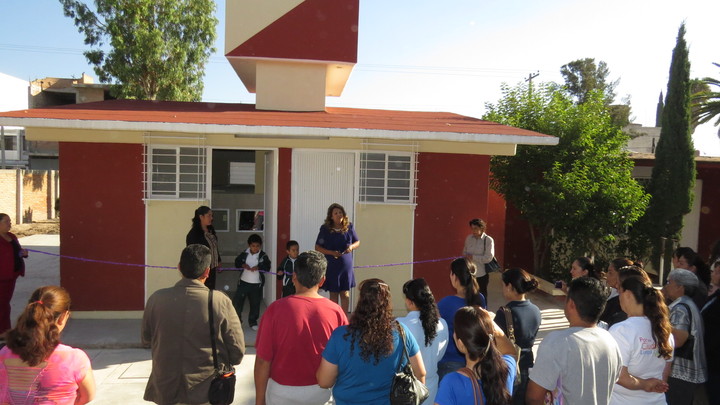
[388, 177]
[175, 172]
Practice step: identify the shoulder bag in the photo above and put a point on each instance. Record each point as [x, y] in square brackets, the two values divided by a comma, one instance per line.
[687, 350]
[492, 265]
[222, 386]
[406, 389]
[477, 391]
[510, 326]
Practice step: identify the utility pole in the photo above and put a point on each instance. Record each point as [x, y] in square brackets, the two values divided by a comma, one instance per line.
[529, 79]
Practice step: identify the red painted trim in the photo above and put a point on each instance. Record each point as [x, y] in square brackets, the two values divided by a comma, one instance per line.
[452, 189]
[324, 30]
[103, 217]
[284, 201]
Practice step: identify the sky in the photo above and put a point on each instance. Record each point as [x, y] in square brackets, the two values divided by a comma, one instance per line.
[432, 55]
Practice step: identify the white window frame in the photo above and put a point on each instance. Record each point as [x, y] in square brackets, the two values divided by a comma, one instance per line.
[151, 193]
[386, 198]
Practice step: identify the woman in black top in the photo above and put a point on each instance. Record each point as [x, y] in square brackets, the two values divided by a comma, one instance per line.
[203, 233]
[526, 319]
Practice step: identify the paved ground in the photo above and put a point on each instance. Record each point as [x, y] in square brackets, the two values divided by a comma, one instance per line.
[122, 366]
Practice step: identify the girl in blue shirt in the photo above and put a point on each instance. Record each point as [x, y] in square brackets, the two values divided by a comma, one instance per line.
[489, 359]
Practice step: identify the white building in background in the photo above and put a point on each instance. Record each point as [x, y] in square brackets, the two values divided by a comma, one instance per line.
[13, 96]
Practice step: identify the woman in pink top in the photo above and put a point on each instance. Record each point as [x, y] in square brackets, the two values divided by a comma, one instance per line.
[35, 368]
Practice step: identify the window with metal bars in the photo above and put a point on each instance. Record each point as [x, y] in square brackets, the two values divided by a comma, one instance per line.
[176, 172]
[387, 177]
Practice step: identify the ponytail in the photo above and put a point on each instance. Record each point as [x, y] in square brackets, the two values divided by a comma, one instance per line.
[465, 271]
[36, 334]
[654, 309]
[419, 293]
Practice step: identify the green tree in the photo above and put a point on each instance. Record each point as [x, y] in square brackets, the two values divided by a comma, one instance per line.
[583, 76]
[673, 175]
[151, 49]
[706, 103]
[580, 193]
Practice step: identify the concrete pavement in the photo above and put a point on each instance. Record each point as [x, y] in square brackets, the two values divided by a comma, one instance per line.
[121, 366]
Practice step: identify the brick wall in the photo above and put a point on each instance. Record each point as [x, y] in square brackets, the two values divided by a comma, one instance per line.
[39, 191]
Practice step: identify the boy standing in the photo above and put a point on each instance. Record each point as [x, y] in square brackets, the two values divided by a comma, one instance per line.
[287, 268]
[252, 262]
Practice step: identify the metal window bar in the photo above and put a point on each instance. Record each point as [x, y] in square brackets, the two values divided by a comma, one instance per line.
[399, 173]
[188, 167]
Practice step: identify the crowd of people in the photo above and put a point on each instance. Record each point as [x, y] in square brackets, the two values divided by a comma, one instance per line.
[628, 342]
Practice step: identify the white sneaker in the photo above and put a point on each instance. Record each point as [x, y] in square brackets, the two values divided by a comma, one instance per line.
[254, 327]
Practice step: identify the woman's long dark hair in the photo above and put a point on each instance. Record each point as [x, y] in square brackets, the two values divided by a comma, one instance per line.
[587, 264]
[419, 293]
[201, 210]
[520, 280]
[654, 309]
[344, 223]
[371, 324]
[36, 334]
[474, 327]
[465, 271]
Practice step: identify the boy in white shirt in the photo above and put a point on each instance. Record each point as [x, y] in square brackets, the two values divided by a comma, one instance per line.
[253, 262]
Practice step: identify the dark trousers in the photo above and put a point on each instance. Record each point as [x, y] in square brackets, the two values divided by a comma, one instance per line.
[712, 387]
[680, 392]
[288, 290]
[518, 395]
[7, 287]
[253, 292]
[483, 284]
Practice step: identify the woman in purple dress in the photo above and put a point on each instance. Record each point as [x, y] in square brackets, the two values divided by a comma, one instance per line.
[336, 240]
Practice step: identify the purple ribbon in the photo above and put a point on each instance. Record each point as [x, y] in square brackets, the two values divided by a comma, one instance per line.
[221, 269]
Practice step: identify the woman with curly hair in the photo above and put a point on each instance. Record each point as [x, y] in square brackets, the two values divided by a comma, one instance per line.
[526, 318]
[430, 331]
[646, 344]
[489, 360]
[462, 278]
[337, 240]
[35, 368]
[361, 358]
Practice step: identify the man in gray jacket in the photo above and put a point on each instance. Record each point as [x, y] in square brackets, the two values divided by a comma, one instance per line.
[175, 325]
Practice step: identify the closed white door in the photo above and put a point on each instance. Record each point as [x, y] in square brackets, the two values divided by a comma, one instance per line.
[319, 179]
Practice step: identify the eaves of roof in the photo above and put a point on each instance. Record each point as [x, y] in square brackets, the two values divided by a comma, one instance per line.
[244, 120]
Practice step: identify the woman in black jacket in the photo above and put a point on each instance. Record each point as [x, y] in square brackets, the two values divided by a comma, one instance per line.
[203, 233]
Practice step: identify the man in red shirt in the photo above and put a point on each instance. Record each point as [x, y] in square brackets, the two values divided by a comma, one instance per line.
[292, 336]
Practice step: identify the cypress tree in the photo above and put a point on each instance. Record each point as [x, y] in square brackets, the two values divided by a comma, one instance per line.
[673, 176]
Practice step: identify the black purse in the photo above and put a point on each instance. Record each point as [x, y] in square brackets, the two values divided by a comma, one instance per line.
[406, 389]
[687, 350]
[492, 265]
[222, 386]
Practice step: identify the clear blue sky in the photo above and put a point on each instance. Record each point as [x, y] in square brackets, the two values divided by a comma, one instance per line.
[440, 55]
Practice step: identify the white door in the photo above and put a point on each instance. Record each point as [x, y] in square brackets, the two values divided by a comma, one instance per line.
[319, 179]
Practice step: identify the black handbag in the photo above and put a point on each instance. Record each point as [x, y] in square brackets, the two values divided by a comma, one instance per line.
[222, 386]
[687, 350]
[406, 389]
[493, 265]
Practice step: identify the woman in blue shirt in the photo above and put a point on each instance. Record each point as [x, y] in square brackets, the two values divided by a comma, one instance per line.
[489, 359]
[361, 358]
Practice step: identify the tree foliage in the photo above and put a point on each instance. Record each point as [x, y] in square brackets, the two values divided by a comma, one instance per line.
[579, 193]
[152, 49]
[583, 76]
[673, 175]
[706, 102]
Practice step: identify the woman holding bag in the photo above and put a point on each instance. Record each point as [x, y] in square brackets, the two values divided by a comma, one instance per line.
[480, 249]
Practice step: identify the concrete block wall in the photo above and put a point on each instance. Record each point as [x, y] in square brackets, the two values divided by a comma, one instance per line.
[36, 200]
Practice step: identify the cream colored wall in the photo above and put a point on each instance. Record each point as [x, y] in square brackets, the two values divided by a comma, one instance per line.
[168, 222]
[290, 86]
[229, 140]
[392, 242]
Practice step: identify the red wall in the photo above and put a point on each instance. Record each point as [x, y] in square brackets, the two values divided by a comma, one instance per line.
[452, 189]
[103, 218]
[709, 207]
[284, 203]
